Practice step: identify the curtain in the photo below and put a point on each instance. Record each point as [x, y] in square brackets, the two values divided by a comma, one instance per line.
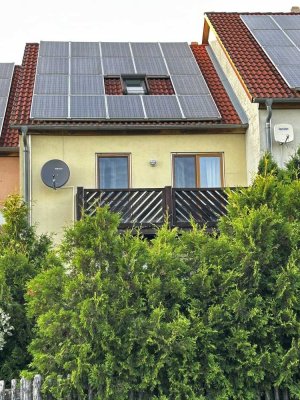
[210, 172]
[185, 173]
[113, 172]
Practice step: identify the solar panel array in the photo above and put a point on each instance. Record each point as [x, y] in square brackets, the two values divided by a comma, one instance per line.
[6, 73]
[279, 36]
[69, 82]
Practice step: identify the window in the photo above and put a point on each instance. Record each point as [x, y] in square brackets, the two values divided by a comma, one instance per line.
[113, 171]
[198, 170]
[135, 86]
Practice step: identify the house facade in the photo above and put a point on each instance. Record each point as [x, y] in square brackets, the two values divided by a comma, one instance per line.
[260, 56]
[127, 132]
[9, 137]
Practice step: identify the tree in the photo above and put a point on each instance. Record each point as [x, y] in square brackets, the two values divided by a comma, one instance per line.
[22, 254]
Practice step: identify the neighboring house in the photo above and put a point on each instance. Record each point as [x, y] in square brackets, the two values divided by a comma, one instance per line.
[9, 137]
[260, 55]
[130, 121]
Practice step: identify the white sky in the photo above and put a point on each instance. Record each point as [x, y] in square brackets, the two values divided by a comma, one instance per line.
[112, 20]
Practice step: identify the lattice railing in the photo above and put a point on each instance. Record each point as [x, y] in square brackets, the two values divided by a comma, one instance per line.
[136, 206]
[146, 207]
[205, 206]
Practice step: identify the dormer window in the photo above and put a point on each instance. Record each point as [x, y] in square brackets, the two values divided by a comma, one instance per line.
[135, 86]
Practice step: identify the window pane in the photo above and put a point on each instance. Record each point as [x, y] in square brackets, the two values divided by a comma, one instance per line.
[185, 174]
[210, 172]
[113, 172]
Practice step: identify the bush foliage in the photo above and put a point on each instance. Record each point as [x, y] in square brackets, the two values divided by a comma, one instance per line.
[188, 315]
[21, 257]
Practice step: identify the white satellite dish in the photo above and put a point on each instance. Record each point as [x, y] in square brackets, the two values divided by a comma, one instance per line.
[283, 133]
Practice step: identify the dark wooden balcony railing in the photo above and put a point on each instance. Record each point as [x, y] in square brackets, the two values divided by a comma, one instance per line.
[147, 208]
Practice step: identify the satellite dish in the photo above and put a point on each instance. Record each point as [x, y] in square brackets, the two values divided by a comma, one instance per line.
[55, 173]
[283, 133]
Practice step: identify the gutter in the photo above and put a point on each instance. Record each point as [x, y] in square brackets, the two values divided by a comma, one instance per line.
[268, 126]
[263, 100]
[9, 149]
[67, 127]
[24, 131]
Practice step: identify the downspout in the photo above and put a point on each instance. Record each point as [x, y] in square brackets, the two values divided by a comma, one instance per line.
[24, 131]
[268, 125]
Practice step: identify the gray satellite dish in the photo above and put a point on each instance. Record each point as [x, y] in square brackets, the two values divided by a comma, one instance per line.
[55, 173]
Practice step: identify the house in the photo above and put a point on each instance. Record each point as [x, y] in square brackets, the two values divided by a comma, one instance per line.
[144, 127]
[9, 137]
[260, 55]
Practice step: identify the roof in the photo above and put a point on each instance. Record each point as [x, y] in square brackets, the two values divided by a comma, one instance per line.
[9, 136]
[22, 105]
[252, 64]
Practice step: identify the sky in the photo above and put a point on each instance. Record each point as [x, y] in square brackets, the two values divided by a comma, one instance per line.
[24, 21]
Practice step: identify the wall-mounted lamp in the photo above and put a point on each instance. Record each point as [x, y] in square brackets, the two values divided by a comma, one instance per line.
[153, 163]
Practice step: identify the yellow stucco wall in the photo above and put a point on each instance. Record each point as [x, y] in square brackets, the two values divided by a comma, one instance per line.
[52, 210]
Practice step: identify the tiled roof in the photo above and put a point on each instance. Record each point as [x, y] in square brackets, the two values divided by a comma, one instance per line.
[160, 86]
[256, 70]
[9, 136]
[26, 84]
[22, 104]
[228, 112]
[113, 86]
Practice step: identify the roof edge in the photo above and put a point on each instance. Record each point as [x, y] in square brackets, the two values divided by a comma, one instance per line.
[202, 127]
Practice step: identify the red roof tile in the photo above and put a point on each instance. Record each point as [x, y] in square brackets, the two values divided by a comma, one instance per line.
[223, 102]
[113, 86]
[9, 136]
[160, 86]
[256, 70]
[22, 105]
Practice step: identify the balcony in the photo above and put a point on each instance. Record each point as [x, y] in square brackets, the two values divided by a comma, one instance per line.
[148, 208]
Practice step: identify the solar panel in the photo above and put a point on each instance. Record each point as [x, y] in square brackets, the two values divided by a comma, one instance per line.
[162, 107]
[54, 49]
[4, 87]
[52, 84]
[3, 101]
[176, 50]
[199, 107]
[183, 66]
[125, 107]
[87, 84]
[294, 35]
[69, 80]
[272, 38]
[111, 49]
[279, 44]
[145, 50]
[118, 65]
[49, 107]
[53, 65]
[6, 70]
[6, 73]
[288, 21]
[85, 49]
[150, 66]
[283, 55]
[86, 66]
[259, 22]
[190, 84]
[87, 107]
[291, 74]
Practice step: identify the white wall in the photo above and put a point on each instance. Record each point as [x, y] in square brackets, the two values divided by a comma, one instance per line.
[281, 153]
